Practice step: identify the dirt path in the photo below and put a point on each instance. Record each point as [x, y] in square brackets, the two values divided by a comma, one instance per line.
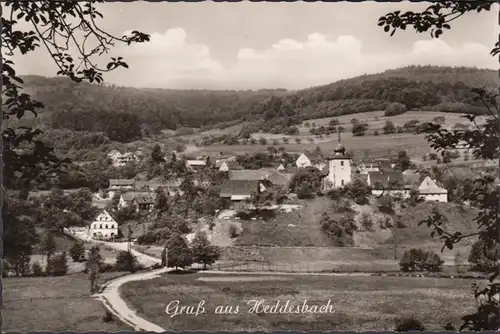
[110, 297]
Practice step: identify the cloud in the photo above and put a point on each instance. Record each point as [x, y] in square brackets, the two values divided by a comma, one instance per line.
[171, 60]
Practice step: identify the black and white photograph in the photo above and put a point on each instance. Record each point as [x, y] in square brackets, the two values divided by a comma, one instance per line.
[250, 166]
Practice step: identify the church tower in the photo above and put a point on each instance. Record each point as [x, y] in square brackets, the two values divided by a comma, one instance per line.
[339, 169]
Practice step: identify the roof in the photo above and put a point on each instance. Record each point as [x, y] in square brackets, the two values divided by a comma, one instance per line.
[196, 162]
[249, 174]
[314, 157]
[428, 186]
[239, 187]
[384, 179]
[280, 179]
[106, 217]
[145, 198]
[121, 182]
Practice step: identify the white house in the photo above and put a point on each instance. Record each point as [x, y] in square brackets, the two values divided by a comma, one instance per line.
[280, 167]
[119, 159]
[339, 169]
[195, 164]
[103, 227]
[303, 161]
[430, 191]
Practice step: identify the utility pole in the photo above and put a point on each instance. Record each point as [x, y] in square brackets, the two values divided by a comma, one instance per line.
[129, 246]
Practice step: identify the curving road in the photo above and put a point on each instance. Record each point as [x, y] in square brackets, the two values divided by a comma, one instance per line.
[110, 297]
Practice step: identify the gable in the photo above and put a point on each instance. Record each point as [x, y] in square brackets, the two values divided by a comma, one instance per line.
[104, 217]
[428, 183]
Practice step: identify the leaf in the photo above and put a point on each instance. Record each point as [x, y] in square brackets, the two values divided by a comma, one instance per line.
[386, 28]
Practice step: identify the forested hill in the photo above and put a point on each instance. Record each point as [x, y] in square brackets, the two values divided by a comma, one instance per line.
[83, 106]
[446, 89]
[124, 113]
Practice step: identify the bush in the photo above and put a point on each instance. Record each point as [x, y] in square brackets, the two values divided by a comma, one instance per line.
[366, 222]
[156, 266]
[57, 265]
[449, 327]
[126, 261]
[481, 261]
[395, 108]
[37, 269]
[420, 260]
[77, 251]
[107, 268]
[408, 324]
[108, 316]
[385, 204]
[233, 231]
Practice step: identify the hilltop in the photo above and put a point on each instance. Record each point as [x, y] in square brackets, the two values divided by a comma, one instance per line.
[126, 114]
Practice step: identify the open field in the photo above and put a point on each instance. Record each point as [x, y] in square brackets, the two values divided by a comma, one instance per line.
[359, 303]
[54, 304]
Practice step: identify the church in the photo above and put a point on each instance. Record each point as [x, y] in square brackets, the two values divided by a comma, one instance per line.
[338, 168]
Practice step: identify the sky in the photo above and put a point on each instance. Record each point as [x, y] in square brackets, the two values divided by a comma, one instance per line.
[292, 45]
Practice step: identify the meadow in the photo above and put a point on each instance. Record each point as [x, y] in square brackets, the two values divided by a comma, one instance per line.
[360, 303]
[54, 304]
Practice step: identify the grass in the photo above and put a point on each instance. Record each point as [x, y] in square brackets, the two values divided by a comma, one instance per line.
[359, 303]
[54, 304]
[295, 242]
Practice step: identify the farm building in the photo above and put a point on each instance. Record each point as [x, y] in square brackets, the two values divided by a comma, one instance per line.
[103, 227]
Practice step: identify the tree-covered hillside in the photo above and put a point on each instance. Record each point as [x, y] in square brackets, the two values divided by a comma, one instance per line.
[446, 89]
[125, 114]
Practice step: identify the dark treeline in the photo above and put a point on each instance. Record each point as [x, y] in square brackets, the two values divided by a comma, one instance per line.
[125, 114]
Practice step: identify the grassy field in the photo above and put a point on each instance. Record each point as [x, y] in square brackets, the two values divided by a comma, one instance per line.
[359, 303]
[365, 146]
[54, 304]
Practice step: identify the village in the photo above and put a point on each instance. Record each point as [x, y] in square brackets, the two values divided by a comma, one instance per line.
[337, 170]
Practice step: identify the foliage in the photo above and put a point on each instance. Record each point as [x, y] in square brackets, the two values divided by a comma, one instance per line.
[389, 127]
[358, 190]
[37, 269]
[366, 222]
[420, 260]
[126, 261]
[179, 254]
[233, 231]
[385, 204]
[306, 182]
[77, 251]
[93, 266]
[203, 252]
[484, 258]
[359, 129]
[57, 265]
[397, 108]
[408, 324]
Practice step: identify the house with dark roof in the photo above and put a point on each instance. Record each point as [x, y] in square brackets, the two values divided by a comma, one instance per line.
[375, 165]
[144, 201]
[239, 190]
[116, 184]
[391, 183]
[249, 174]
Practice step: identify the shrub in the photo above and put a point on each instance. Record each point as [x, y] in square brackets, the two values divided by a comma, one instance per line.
[233, 231]
[366, 222]
[483, 258]
[449, 327]
[57, 265]
[108, 316]
[395, 108]
[77, 251]
[126, 261]
[37, 269]
[156, 266]
[408, 324]
[420, 260]
[385, 204]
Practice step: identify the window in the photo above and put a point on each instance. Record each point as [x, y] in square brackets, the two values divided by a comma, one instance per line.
[112, 226]
[106, 226]
[342, 163]
[95, 234]
[342, 182]
[100, 226]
